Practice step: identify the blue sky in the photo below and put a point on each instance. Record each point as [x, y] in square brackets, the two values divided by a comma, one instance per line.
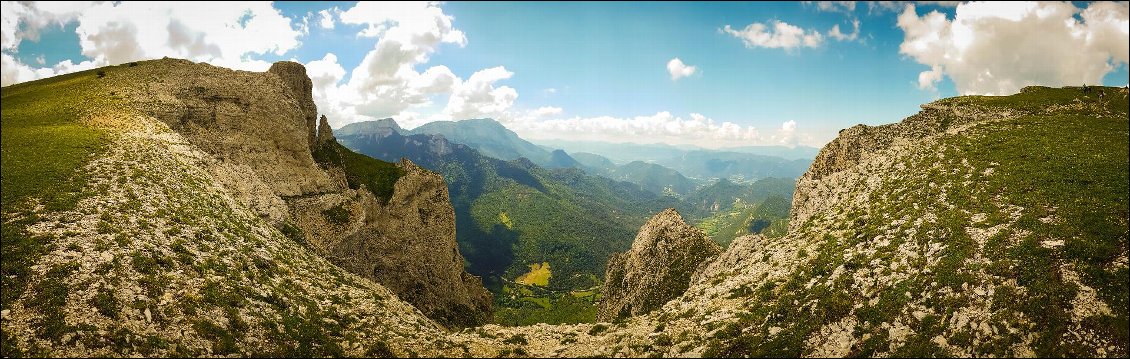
[599, 70]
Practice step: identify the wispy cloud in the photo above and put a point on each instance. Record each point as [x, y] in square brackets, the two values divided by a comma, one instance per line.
[776, 35]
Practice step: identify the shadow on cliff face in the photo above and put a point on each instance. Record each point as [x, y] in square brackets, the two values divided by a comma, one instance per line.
[488, 253]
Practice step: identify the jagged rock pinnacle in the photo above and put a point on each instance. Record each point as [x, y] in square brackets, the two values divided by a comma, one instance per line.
[301, 88]
[664, 256]
[325, 132]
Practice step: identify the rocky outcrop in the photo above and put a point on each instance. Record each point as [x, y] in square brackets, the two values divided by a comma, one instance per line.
[279, 159]
[856, 144]
[664, 256]
[407, 244]
[301, 88]
[325, 132]
[239, 117]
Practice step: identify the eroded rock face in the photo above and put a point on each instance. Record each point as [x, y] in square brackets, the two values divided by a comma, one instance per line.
[262, 128]
[325, 132]
[409, 246]
[294, 76]
[239, 117]
[664, 257]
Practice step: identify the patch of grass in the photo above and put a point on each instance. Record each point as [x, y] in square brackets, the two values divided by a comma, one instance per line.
[306, 335]
[597, 329]
[223, 342]
[149, 262]
[379, 349]
[183, 255]
[154, 285]
[49, 299]
[517, 339]
[106, 303]
[377, 176]
[1076, 164]
[290, 230]
[337, 215]
[539, 275]
[8, 347]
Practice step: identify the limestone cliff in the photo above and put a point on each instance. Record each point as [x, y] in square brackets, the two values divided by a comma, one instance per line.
[301, 88]
[394, 226]
[658, 268]
[406, 242]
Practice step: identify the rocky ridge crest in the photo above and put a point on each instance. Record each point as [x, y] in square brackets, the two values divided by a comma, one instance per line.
[264, 129]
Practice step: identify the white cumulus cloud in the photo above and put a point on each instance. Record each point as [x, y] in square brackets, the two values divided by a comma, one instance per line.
[787, 135]
[391, 80]
[678, 69]
[998, 48]
[546, 111]
[777, 35]
[834, 6]
[226, 34]
[479, 97]
[394, 78]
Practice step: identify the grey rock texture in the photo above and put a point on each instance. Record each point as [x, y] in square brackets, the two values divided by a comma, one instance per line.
[301, 88]
[262, 129]
[407, 245]
[240, 117]
[856, 144]
[664, 256]
[325, 132]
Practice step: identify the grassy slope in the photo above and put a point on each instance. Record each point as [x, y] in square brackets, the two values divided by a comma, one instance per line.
[44, 143]
[145, 231]
[1061, 175]
[572, 221]
[761, 206]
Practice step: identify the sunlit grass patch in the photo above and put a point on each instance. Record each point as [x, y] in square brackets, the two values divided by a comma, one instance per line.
[539, 275]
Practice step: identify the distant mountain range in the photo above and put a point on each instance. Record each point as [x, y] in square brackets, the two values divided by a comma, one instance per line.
[724, 194]
[511, 213]
[658, 168]
[572, 213]
[653, 177]
[627, 151]
[492, 139]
